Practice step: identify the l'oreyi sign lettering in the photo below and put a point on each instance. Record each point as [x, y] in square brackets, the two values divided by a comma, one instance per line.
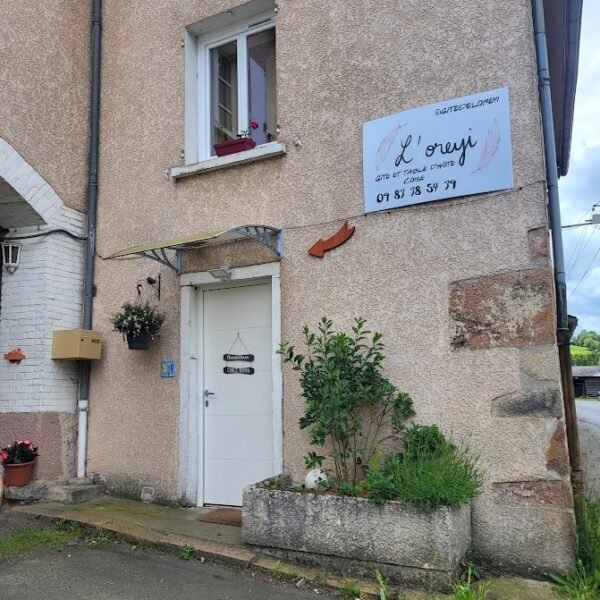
[453, 148]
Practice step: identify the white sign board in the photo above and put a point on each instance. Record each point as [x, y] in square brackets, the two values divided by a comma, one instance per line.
[444, 150]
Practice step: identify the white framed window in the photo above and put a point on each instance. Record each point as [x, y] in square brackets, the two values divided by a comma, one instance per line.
[236, 86]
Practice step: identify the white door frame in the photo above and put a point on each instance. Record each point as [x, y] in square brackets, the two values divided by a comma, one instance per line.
[191, 412]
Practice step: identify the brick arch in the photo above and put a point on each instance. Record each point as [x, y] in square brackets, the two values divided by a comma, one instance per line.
[28, 183]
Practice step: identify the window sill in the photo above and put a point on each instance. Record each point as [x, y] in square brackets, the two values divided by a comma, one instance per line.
[215, 163]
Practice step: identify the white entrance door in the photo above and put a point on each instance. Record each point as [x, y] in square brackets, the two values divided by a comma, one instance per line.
[238, 408]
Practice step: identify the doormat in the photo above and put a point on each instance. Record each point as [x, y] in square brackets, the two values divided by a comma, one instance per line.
[223, 516]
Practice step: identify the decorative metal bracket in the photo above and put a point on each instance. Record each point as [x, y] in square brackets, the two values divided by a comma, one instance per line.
[163, 258]
[270, 237]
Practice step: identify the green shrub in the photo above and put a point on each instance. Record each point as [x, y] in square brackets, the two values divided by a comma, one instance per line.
[430, 472]
[350, 404]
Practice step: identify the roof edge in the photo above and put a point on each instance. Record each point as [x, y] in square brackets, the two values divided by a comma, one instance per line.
[572, 26]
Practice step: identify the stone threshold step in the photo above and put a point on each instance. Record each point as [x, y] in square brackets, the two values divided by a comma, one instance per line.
[54, 492]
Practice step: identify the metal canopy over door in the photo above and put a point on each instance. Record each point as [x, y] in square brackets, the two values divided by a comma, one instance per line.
[238, 407]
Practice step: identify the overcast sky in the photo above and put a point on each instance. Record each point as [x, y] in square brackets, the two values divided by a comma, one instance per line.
[580, 189]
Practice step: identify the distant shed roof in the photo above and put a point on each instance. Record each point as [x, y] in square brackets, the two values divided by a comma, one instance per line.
[586, 371]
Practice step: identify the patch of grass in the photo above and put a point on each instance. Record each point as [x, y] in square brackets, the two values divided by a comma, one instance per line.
[584, 582]
[467, 589]
[186, 552]
[350, 590]
[431, 472]
[94, 537]
[30, 539]
[97, 538]
[385, 593]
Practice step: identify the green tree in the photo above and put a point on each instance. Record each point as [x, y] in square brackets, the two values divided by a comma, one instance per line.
[588, 339]
[584, 357]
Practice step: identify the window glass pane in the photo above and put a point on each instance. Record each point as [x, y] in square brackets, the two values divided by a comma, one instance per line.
[224, 92]
[261, 85]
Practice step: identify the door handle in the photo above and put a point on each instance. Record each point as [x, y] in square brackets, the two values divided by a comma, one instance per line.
[207, 394]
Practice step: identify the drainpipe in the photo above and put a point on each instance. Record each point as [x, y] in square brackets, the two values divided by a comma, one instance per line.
[563, 334]
[88, 286]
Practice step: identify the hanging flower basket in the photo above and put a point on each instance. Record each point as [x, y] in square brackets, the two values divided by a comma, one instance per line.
[139, 323]
[141, 341]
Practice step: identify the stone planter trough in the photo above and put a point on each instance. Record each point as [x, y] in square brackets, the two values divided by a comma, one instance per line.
[354, 536]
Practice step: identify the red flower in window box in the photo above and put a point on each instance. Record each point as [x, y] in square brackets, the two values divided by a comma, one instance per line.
[240, 144]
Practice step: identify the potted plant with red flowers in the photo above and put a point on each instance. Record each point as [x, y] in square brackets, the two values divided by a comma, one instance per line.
[139, 323]
[240, 144]
[18, 460]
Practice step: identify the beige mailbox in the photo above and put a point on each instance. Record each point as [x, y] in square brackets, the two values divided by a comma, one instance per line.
[77, 344]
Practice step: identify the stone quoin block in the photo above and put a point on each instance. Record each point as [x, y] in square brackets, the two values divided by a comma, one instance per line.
[557, 455]
[535, 402]
[538, 244]
[543, 493]
[502, 311]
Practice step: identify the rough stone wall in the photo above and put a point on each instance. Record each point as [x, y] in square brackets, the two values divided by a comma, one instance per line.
[461, 288]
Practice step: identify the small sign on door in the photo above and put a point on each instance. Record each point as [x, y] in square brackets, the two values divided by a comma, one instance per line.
[238, 370]
[242, 357]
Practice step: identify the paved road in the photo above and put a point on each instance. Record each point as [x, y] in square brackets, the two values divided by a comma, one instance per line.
[116, 572]
[588, 411]
[588, 416]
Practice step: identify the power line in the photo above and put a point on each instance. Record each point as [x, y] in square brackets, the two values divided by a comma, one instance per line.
[586, 272]
[582, 249]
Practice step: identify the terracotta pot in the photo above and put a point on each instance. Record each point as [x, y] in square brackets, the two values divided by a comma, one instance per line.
[18, 475]
[139, 342]
[234, 146]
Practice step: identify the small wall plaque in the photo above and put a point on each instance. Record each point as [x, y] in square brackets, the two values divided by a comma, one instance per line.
[167, 368]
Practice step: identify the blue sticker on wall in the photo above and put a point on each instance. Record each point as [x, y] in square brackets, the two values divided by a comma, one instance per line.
[167, 368]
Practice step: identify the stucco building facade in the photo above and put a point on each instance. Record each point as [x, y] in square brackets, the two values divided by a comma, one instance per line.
[44, 112]
[461, 288]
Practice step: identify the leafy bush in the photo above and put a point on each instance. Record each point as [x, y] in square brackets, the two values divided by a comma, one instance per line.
[136, 318]
[350, 404]
[584, 582]
[430, 472]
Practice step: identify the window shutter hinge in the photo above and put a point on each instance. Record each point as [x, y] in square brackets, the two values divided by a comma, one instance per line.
[182, 154]
[183, 42]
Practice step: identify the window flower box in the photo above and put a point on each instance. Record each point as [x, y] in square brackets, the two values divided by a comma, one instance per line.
[234, 146]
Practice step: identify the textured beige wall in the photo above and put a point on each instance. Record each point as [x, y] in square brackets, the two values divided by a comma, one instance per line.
[339, 63]
[44, 89]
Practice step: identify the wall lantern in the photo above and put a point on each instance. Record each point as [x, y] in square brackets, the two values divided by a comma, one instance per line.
[11, 255]
[222, 273]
